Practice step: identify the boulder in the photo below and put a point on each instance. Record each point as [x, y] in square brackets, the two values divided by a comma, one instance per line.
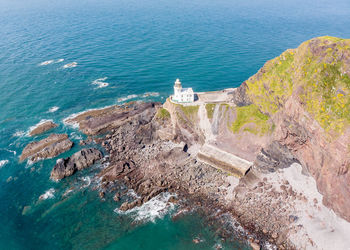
[42, 127]
[78, 161]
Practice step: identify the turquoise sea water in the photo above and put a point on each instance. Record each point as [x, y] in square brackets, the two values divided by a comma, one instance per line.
[137, 47]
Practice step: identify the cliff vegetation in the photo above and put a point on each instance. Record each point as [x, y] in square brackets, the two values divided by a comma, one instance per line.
[317, 73]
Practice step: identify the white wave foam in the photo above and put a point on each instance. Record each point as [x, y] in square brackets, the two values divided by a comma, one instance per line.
[68, 191]
[133, 194]
[217, 246]
[123, 99]
[148, 94]
[9, 150]
[60, 60]
[155, 208]
[46, 63]
[48, 194]
[87, 181]
[76, 136]
[29, 163]
[3, 163]
[19, 133]
[70, 65]
[101, 82]
[53, 109]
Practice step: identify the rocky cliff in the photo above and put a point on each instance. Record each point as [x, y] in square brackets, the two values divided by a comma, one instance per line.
[305, 94]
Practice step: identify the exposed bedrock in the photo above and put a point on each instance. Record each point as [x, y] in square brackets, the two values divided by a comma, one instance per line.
[68, 166]
[326, 159]
[101, 120]
[43, 127]
[48, 147]
[273, 157]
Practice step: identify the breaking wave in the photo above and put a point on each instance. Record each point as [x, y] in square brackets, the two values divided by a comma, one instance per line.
[155, 208]
[147, 94]
[3, 163]
[70, 65]
[51, 61]
[123, 99]
[101, 82]
[53, 109]
[48, 194]
[46, 62]
[86, 180]
[19, 133]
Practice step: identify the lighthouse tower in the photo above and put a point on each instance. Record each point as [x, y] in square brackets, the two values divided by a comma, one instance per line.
[177, 90]
[182, 95]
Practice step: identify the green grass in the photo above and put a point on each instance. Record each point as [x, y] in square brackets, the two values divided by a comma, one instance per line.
[210, 109]
[253, 116]
[163, 114]
[189, 111]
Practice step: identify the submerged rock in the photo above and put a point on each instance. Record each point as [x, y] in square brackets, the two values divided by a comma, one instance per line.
[68, 166]
[48, 147]
[42, 127]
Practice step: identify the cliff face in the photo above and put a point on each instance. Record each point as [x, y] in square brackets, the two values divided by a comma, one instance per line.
[306, 94]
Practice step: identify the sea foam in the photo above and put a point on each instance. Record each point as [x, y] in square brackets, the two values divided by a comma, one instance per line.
[19, 133]
[155, 208]
[70, 65]
[53, 109]
[46, 62]
[123, 99]
[148, 94]
[48, 194]
[101, 82]
[3, 163]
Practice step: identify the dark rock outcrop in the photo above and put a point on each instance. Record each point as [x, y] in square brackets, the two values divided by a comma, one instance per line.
[239, 96]
[43, 127]
[48, 147]
[273, 157]
[78, 161]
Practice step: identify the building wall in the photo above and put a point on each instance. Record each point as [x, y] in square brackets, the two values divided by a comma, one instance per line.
[182, 96]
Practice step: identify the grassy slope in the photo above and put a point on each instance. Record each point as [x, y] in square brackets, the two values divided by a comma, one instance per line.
[251, 115]
[318, 73]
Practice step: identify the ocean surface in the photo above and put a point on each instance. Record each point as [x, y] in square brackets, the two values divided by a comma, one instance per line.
[58, 58]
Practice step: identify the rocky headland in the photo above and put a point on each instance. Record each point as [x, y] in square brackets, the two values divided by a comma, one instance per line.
[289, 124]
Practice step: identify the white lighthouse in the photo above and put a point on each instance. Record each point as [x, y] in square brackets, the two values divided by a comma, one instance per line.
[182, 95]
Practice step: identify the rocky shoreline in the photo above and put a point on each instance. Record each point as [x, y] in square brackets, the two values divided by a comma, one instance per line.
[147, 153]
[147, 164]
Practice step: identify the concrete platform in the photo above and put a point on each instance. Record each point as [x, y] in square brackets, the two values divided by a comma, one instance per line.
[224, 161]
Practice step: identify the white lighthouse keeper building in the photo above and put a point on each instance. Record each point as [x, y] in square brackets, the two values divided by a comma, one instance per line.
[182, 95]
